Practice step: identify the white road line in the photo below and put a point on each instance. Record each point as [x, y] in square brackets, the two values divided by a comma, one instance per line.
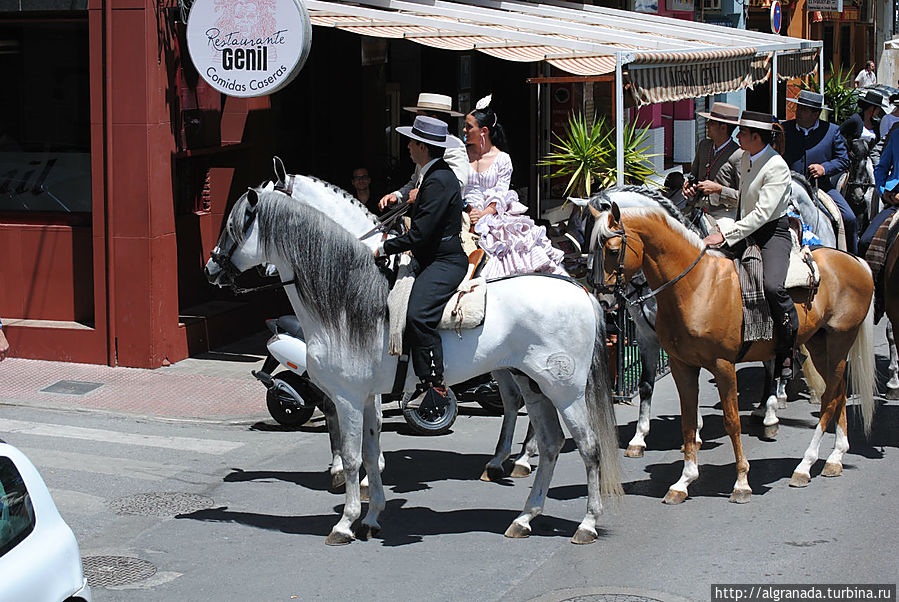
[118, 467]
[203, 446]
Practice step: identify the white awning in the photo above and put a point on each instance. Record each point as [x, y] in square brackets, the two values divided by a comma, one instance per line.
[578, 39]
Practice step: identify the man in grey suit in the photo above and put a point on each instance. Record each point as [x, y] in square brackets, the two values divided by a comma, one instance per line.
[716, 168]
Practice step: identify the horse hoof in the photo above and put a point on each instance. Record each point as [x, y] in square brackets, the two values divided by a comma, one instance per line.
[771, 431]
[520, 471]
[518, 531]
[366, 532]
[364, 493]
[674, 497]
[832, 469]
[583, 536]
[634, 451]
[337, 538]
[800, 480]
[892, 394]
[741, 496]
[338, 480]
[495, 473]
[781, 403]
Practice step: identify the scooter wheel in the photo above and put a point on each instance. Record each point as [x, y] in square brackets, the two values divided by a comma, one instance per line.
[286, 409]
[432, 421]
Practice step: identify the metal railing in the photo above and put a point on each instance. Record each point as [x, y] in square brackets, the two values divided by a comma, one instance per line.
[627, 359]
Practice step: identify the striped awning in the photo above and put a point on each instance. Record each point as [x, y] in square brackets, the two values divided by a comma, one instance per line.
[688, 58]
[677, 76]
[789, 65]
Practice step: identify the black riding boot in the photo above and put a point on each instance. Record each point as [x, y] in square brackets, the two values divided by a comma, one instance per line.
[784, 353]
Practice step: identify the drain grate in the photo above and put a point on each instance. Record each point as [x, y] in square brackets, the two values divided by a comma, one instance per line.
[161, 504]
[106, 571]
[72, 387]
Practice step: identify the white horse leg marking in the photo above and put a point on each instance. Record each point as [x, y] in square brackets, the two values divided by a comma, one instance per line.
[637, 444]
[833, 467]
[522, 467]
[893, 382]
[801, 475]
[770, 418]
[550, 439]
[333, 424]
[689, 474]
[509, 394]
[374, 464]
[698, 426]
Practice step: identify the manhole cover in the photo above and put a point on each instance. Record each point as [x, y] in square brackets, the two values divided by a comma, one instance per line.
[106, 571]
[611, 598]
[72, 387]
[164, 504]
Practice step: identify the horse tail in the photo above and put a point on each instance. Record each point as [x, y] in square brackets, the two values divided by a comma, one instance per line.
[862, 368]
[601, 412]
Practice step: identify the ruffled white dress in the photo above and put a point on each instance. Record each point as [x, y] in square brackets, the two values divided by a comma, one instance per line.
[515, 244]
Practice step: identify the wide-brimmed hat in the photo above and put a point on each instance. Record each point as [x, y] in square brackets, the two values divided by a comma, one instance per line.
[894, 99]
[871, 98]
[809, 99]
[756, 120]
[440, 103]
[723, 112]
[430, 131]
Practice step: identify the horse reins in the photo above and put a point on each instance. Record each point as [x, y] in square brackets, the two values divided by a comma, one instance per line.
[619, 273]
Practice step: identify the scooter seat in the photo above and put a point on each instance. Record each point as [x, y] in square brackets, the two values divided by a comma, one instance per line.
[290, 325]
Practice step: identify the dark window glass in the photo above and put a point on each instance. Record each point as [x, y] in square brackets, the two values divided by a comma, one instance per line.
[45, 161]
[16, 512]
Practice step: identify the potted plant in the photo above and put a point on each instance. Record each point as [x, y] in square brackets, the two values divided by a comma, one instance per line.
[840, 95]
[586, 156]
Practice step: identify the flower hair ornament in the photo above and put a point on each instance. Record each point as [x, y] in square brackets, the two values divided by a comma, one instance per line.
[484, 104]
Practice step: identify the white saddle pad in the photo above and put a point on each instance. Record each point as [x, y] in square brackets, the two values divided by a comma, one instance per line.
[802, 271]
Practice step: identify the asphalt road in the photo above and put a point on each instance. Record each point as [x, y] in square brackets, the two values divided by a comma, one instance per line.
[255, 510]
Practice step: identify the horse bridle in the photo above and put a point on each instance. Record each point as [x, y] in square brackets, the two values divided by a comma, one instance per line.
[619, 288]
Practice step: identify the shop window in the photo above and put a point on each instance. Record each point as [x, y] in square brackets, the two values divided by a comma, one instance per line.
[45, 161]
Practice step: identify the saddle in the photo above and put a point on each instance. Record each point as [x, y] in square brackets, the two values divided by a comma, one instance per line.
[465, 309]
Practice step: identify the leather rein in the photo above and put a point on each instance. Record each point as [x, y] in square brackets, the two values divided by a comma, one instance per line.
[620, 284]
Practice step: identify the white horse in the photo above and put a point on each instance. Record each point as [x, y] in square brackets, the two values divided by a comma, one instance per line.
[548, 331]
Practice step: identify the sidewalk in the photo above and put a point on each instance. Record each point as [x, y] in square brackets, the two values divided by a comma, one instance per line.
[216, 386]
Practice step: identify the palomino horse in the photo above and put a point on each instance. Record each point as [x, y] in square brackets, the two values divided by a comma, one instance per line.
[890, 279]
[550, 332]
[700, 323]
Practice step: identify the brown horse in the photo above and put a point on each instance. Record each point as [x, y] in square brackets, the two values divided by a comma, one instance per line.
[891, 285]
[700, 319]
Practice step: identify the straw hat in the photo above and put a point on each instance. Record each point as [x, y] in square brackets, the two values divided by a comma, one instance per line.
[723, 112]
[434, 102]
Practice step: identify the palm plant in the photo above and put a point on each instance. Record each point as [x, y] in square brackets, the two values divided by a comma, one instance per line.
[586, 155]
[840, 95]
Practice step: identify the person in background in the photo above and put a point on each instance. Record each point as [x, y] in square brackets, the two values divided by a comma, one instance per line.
[4, 344]
[361, 181]
[716, 168]
[817, 150]
[673, 188]
[890, 119]
[864, 124]
[866, 77]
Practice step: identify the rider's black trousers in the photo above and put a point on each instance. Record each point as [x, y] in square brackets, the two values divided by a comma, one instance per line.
[434, 284]
[774, 242]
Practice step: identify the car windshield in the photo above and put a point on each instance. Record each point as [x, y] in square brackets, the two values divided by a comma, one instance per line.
[16, 512]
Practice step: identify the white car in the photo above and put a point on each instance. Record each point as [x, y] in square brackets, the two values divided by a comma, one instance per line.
[39, 557]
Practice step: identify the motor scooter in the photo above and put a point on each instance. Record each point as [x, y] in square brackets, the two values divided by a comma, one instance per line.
[292, 397]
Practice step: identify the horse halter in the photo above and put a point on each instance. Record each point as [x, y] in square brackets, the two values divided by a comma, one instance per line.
[600, 282]
[619, 288]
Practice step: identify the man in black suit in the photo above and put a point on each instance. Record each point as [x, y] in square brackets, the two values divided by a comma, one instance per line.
[438, 260]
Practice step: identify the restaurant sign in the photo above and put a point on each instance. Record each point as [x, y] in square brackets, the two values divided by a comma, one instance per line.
[824, 5]
[248, 47]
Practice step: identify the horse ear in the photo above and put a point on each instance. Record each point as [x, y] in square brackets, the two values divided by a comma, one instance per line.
[616, 212]
[252, 197]
[593, 210]
[280, 172]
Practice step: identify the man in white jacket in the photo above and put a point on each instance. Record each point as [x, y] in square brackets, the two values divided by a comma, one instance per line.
[438, 106]
[761, 214]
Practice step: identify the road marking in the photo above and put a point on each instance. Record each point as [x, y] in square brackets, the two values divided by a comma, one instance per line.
[117, 467]
[203, 446]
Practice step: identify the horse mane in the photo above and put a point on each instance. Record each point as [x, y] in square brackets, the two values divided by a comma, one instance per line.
[656, 213]
[339, 192]
[336, 276]
[803, 181]
[602, 200]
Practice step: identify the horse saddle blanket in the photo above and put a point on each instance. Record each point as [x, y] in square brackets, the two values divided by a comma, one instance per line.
[802, 271]
[465, 309]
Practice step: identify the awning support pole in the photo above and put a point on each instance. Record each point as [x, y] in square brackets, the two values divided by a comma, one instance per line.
[821, 69]
[619, 120]
[774, 84]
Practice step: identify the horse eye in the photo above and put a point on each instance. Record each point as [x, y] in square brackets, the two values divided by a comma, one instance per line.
[613, 252]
